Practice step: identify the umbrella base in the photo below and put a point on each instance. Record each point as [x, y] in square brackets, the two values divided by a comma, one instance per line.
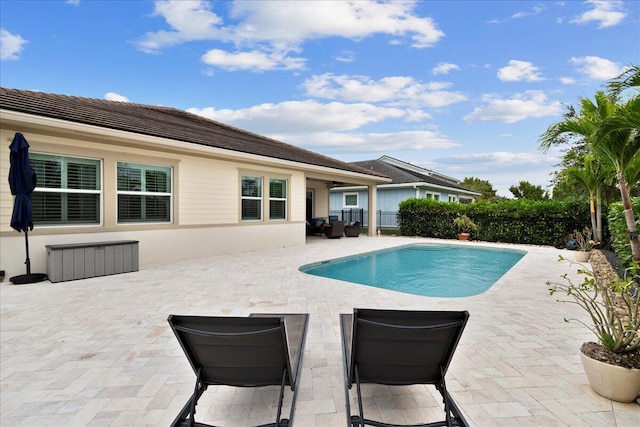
[23, 279]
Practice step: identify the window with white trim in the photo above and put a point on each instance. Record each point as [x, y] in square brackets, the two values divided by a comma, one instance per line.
[144, 193]
[350, 200]
[453, 199]
[277, 198]
[433, 196]
[251, 198]
[68, 190]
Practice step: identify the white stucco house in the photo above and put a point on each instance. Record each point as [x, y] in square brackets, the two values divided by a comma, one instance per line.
[182, 185]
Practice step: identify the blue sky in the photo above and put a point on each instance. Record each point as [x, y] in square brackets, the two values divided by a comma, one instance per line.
[461, 87]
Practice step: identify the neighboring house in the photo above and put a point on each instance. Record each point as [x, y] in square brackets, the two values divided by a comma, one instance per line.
[182, 185]
[408, 181]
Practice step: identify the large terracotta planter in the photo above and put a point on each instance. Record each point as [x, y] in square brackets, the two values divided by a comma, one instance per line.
[463, 236]
[583, 256]
[613, 382]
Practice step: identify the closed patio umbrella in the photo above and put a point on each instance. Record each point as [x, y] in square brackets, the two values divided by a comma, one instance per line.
[22, 181]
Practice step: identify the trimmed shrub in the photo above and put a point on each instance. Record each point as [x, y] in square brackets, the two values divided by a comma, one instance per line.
[545, 222]
[618, 229]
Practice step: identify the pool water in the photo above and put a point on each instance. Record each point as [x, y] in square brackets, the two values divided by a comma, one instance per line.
[423, 269]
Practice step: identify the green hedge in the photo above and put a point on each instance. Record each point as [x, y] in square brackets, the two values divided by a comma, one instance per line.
[513, 221]
[618, 229]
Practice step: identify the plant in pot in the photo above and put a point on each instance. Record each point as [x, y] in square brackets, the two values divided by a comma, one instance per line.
[613, 364]
[465, 226]
[584, 244]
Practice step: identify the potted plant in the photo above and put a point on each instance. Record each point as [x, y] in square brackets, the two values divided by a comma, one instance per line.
[612, 365]
[465, 226]
[584, 244]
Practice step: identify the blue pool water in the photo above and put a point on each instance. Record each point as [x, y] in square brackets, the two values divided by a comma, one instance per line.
[423, 269]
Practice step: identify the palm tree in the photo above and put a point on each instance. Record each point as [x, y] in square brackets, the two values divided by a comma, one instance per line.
[627, 80]
[612, 132]
[591, 177]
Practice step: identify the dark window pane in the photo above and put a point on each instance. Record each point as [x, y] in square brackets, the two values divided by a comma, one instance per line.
[83, 208]
[82, 176]
[277, 209]
[251, 186]
[129, 208]
[47, 208]
[129, 179]
[251, 209]
[156, 208]
[156, 181]
[132, 208]
[278, 188]
[48, 172]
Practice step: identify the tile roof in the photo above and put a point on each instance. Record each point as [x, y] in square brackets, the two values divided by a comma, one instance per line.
[164, 122]
[404, 176]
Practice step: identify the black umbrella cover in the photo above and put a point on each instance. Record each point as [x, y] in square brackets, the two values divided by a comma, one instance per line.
[22, 181]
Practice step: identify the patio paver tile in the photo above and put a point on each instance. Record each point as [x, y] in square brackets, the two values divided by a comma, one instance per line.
[99, 352]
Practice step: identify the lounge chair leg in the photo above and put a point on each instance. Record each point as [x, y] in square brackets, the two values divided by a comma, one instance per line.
[189, 409]
[451, 411]
[359, 398]
[284, 377]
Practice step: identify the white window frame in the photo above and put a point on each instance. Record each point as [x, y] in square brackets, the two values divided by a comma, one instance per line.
[453, 199]
[64, 190]
[143, 167]
[279, 199]
[259, 197]
[344, 200]
[434, 196]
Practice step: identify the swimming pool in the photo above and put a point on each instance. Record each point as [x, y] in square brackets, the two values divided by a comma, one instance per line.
[423, 269]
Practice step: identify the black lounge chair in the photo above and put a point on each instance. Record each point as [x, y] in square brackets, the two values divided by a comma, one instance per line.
[400, 348]
[255, 351]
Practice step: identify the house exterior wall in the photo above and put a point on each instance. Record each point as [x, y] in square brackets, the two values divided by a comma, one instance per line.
[206, 204]
[388, 199]
[336, 200]
[320, 198]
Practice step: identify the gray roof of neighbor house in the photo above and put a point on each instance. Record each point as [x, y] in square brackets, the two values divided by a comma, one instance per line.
[164, 122]
[404, 176]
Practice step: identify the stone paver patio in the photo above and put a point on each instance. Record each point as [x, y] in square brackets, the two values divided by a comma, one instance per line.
[99, 352]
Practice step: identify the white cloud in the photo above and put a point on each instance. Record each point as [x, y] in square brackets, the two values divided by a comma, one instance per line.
[444, 68]
[393, 91]
[11, 45]
[502, 169]
[597, 68]
[255, 60]
[293, 22]
[518, 15]
[490, 160]
[607, 13]
[345, 56]
[536, 10]
[364, 144]
[528, 105]
[189, 20]
[73, 2]
[112, 96]
[302, 116]
[277, 28]
[567, 80]
[519, 70]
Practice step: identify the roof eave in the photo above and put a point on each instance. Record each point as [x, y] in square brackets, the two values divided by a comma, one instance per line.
[126, 138]
[412, 185]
